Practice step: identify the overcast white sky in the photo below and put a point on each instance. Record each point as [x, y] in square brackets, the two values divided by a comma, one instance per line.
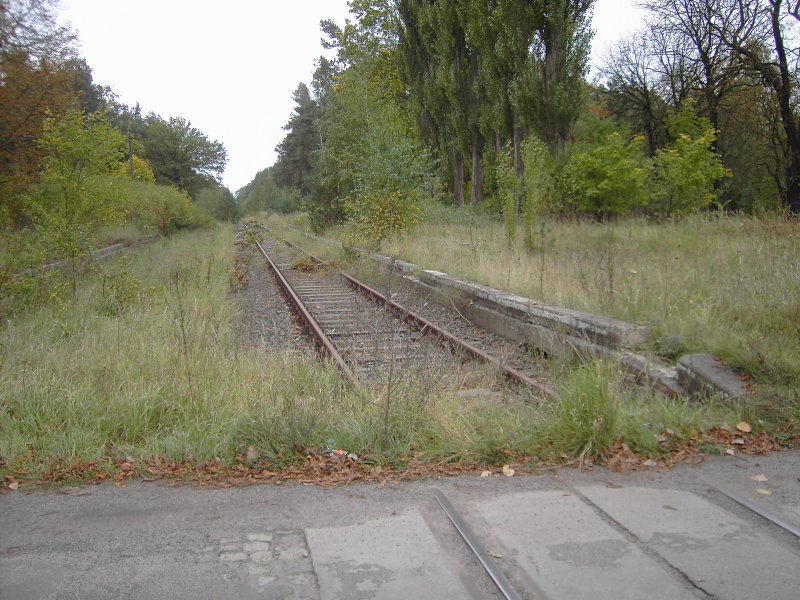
[230, 67]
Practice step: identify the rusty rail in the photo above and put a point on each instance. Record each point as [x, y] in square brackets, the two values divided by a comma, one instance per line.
[430, 328]
[323, 341]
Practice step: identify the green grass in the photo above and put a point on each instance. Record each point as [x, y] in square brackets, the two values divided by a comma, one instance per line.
[107, 375]
[728, 285]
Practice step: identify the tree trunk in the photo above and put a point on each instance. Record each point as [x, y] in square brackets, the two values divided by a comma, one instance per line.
[519, 165]
[788, 117]
[458, 178]
[477, 167]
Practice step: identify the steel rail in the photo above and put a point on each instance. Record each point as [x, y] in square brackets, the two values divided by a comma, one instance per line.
[427, 327]
[486, 560]
[759, 510]
[323, 341]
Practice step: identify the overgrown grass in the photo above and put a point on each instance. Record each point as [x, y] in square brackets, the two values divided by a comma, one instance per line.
[147, 361]
[728, 285]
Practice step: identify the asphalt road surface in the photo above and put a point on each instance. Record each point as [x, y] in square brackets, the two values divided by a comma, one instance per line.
[562, 535]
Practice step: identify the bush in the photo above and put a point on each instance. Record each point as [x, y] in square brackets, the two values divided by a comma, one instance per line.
[605, 179]
[163, 208]
[376, 217]
[585, 423]
[685, 176]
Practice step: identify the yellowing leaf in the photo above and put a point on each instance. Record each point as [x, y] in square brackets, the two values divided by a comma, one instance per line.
[760, 478]
[763, 492]
[744, 427]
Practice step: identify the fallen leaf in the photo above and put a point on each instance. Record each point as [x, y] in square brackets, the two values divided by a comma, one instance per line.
[669, 432]
[660, 438]
[486, 473]
[744, 427]
[669, 507]
[650, 463]
[730, 451]
[760, 478]
[252, 453]
[508, 471]
[13, 485]
[567, 494]
[738, 441]
[495, 555]
[353, 456]
[763, 492]
[725, 426]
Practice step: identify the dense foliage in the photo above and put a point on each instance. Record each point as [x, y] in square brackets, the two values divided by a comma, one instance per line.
[74, 161]
[437, 100]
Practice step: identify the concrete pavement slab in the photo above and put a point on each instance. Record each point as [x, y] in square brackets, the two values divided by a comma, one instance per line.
[395, 557]
[570, 552]
[721, 553]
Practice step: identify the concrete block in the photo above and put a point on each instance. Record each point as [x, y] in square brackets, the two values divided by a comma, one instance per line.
[400, 266]
[394, 557]
[703, 375]
[723, 554]
[598, 329]
[570, 552]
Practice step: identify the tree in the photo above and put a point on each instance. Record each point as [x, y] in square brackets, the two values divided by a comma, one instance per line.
[218, 201]
[691, 25]
[34, 81]
[561, 52]
[370, 165]
[78, 188]
[757, 35]
[263, 194]
[631, 79]
[297, 151]
[182, 155]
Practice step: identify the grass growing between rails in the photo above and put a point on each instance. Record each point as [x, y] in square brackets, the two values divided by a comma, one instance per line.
[144, 374]
[727, 285]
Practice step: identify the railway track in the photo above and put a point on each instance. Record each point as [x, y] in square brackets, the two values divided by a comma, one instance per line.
[373, 340]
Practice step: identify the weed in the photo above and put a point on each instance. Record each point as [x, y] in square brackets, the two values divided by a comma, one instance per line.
[585, 422]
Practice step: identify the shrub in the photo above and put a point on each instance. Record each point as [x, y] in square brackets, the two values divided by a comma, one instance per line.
[605, 179]
[685, 175]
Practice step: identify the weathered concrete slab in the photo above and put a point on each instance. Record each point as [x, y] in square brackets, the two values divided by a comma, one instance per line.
[640, 369]
[396, 557]
[570, 552]
[596, 328]
[703, 375]
[721, 553]
[400, 266]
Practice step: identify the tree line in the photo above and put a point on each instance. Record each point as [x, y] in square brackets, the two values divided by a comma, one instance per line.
[43, 81]
[488, 104]
[73, 159]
